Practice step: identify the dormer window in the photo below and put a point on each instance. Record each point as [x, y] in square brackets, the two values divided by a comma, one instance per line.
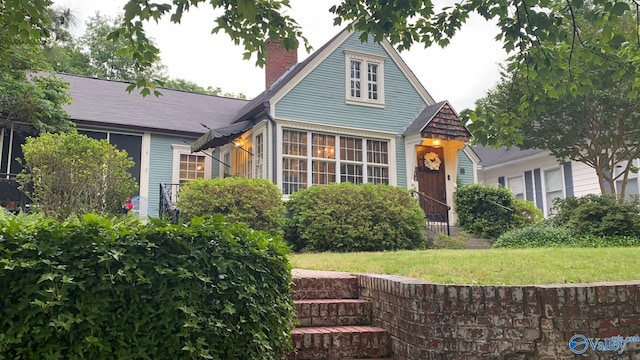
[364, 79]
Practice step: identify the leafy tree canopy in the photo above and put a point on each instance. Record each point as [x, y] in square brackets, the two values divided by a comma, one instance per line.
[28, 96]
[91, 54]
[523, 26]
[593, 119]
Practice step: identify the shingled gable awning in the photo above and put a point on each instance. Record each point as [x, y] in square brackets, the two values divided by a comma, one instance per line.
[439, 121]
[221, 136]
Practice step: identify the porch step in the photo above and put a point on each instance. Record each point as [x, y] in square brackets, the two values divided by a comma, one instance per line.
[340, 342]
[334, 323]
[311, 284]
[333, 312]
[474, 242]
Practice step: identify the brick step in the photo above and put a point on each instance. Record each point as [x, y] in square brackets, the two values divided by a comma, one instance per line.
[310, 284]
[340, 342]
[333, 312]
[478, 243]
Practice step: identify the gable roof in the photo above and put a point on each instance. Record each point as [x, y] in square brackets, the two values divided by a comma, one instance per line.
[490, 156]
[439, 121]
[101, 102]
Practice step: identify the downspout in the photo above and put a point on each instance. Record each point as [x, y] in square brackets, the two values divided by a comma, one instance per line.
[274, 146]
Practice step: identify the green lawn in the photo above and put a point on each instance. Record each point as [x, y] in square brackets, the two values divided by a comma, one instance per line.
[488, 267]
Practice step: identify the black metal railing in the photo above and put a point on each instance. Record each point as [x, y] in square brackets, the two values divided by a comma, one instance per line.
[436, 212]
[11, 197]
[168, 199]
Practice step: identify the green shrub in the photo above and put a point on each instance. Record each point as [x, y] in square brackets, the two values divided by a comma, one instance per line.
[256, 202]
[484, 210]
[599, 215]
[443, 241]
[525, 213]
[67, 174]
[99, 289]
[540, 235]
[346, 217]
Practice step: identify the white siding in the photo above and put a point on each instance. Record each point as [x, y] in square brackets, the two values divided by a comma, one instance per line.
[490, 177]
[585, 180]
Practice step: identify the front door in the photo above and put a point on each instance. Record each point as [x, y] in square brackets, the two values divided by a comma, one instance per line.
[431, 182]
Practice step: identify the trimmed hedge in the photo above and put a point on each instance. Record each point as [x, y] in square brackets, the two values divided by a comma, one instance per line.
[346, 217]
[256, 202]
[100, 289]
[482, 209]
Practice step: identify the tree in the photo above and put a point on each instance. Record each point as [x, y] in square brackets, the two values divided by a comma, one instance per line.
[93, 55]
[596, 125]
[28, 96]
[73, 174]
[523, 25]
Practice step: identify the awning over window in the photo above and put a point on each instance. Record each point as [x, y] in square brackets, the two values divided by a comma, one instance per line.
[221, 136]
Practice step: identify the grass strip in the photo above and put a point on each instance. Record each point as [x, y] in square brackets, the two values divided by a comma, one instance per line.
[487, 267]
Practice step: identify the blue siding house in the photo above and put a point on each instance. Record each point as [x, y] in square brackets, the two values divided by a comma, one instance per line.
[350, 112]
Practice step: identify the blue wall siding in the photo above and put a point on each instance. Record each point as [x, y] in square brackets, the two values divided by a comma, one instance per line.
[160, 166]
[465, 163]
[320, 98]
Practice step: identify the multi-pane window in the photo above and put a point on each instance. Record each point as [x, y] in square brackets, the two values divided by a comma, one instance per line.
[372, 81]
[294, 162]
[364, 78]
[323, 164]
[191, 167]
[226, 159]
[357, 160]
[378, 158]
[355, 88]
[632, 180]
[553, 187]
[516, 185]
[351, 160]
[259, 155]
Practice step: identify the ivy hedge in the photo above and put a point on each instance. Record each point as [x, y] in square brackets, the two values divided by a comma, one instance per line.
[96, 288]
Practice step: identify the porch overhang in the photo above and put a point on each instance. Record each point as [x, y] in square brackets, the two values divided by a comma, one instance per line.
[439, 121]
[221, 136]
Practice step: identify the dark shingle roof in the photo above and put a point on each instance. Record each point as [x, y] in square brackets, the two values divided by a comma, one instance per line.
[494, 156]
[425, 116]
[105, 102]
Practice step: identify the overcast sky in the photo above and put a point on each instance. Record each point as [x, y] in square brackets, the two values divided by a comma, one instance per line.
[461, 73]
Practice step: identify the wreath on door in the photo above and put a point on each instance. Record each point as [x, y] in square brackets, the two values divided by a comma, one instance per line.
[432, 161]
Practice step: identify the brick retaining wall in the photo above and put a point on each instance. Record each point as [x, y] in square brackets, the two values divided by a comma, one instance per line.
[435, 321]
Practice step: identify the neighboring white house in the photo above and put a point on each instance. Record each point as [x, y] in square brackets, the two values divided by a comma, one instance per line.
[537, 176]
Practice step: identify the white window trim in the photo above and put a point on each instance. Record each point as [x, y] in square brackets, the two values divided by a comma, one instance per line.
[544, 187]
[365, 59]
[179, 149]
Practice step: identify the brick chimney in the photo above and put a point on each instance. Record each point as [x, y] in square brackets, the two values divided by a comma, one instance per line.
[278, 61]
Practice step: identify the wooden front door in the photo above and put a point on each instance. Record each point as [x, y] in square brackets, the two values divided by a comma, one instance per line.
[432, 182]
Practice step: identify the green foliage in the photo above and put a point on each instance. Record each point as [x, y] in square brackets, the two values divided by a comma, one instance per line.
[443, 241]
[95, 288]
[525, 213]
[536, 236]
[347, 217]
[25, 95]
[598, 215]
[546, 235]
[484, 210]
[588, 112]
[68, 174]
[257, 202]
